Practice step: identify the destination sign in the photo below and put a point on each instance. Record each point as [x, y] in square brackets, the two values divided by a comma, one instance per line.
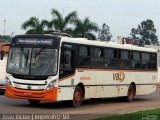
[33, 41]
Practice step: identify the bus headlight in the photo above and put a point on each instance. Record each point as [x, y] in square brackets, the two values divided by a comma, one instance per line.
[9, 82]
[51, 84]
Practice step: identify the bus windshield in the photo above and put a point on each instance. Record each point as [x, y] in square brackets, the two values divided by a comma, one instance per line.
[32, 61]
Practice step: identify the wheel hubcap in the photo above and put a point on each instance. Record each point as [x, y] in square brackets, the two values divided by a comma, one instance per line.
[77, 97]
[130, 94]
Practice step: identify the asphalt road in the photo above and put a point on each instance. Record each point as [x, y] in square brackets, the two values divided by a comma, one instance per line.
[90, 108]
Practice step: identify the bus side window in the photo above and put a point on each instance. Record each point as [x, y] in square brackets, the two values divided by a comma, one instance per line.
[109, 55]
[97, 59]
[135, 60]
[84, 56]
[67, 60]
[153, 57]
[146, 61]
[125, 60]
[116, 61]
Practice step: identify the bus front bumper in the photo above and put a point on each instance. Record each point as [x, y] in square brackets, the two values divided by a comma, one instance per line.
[43, 95]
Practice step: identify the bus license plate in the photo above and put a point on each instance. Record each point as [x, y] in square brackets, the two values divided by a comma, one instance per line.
[27, 94]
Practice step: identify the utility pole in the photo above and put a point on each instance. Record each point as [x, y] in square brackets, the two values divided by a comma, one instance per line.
[38, 15]
[4, 29]
[63, 12]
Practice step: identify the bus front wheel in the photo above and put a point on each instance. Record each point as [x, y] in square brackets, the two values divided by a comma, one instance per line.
[34, 102]
[77, 97]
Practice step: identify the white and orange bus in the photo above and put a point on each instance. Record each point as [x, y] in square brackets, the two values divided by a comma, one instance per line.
[57, 68]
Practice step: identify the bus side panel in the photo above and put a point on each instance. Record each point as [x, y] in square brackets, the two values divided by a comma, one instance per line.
[106, 91]
[68, 85]
[105, 84]
[65, 93]
[123, 85]
[147, 83]
[145, 89]
[87, 78]
[108, 86]
[148, 77]
[66, 88]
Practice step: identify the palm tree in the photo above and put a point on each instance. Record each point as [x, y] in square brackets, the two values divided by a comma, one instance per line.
[60, 23]
[85, 28]
[35, 26]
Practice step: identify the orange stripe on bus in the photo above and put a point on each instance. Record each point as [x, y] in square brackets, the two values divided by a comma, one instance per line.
[85, 78]
[109, 70]
[66, 78]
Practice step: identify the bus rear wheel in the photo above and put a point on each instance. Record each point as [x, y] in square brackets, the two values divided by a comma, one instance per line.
[130, 94]
[34, 102]
[77, 97]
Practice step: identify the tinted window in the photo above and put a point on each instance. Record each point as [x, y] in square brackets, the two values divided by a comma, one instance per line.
[153, 57]
[117, 53]
[135, 60]
[84, 51]
[146, 61]
[98, 52]
[84, 58]
[136, 56]
[145, 57]
[125, 62]
[109, 53]
[97, 58]
[124, 55]
[112, 58]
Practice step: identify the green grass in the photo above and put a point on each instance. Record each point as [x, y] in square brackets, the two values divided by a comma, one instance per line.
[141, 115]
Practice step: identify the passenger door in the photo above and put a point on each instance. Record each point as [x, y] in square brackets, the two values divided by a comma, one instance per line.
[67, 60]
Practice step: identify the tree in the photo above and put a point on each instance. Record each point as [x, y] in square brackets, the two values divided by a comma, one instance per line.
[133, 33]
[5, 38]
[104, 33]
[60, 23]
[35, 26]
[145, 33]
[85, 28]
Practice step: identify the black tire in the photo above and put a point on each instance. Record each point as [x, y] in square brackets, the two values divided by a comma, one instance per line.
[130, 94]
[77, 97]
[2, 93]
[34, 102]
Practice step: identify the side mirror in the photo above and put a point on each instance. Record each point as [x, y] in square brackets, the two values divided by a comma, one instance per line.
[1, 55]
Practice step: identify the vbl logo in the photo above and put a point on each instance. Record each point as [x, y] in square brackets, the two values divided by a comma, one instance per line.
[119, 76]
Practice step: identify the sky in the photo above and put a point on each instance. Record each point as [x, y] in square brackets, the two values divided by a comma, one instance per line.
[120, 15]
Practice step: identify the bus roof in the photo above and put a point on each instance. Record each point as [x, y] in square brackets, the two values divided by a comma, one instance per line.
[106, 44]
[85, 41]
